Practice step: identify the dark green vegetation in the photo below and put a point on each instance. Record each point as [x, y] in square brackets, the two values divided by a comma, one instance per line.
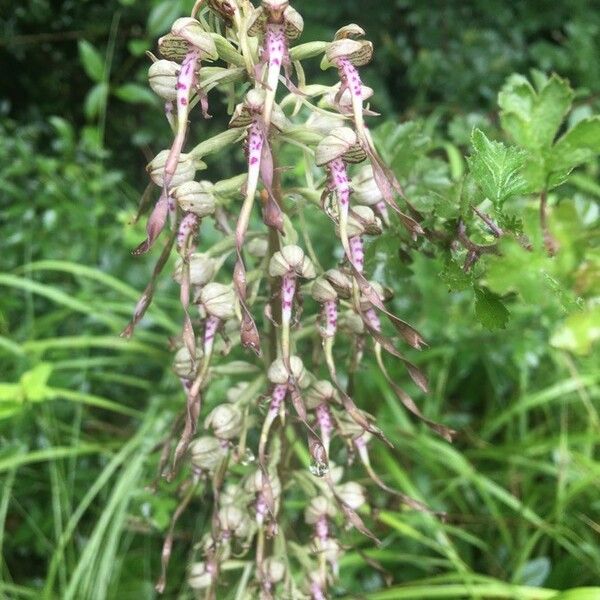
[513, 355]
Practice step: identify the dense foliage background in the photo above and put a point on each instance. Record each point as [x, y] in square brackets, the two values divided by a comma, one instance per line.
[513, 355]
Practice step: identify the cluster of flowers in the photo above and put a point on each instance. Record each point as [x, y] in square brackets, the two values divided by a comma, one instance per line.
[249, 493]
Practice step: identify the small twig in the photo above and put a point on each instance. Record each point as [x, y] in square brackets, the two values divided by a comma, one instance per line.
[474, 251]
[550, 242]
[496, 230]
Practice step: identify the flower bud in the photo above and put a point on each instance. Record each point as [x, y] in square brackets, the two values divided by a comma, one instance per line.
[234, 393]
[258, 247]
[341, 142]
[336, 472]
[321, 392]
[185, 170]
[234, 521]
[291, 259]
[182, 363]
[245, 112]
[218, 300]
[252, 106]
[279, 374]
[202, 269]
[352, 322]
[255, 483]
[344, 102]
[322, 291]
[352, 494]
[162, 77]
[358, 52]
[340, 282]
[274, 569]
[366, 190]
[232, 494]
[199, 577]
[379, 290]
[191, 31]
[329, 548]
[195, 197]
[206, 453]
[318, 508]
[225, 420]
[323, 123]
[350, 428]
[362, 220]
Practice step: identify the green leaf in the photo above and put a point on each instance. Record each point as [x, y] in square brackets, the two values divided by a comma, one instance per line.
[95, 100]
[162, 15]
[135, 94]
[580, 144]
[579, 332]
[10, 392]
[534, 118]
[536, 571]
[455, 278]
[490, 310]
[138, 47]
[587, 593]
[34, 382]
[497, 168]
[92, 61]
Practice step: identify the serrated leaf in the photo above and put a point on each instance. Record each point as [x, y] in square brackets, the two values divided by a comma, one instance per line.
[402, 145]
[135, 94]
[91, 60]
[532, 274]
[455, 277]
[533, 118]
[579, 145]
[490, 310]
[497, 168]
[95, 99]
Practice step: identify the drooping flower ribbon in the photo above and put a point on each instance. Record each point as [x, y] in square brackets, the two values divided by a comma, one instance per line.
[287, 379]
[289, 263]
[318, 398]
[347, 53]
[216, 304]
[334, 152]
[278, 23]
[373, 324]
[249, 115]
[190, 44]
[196, 201]
[367, 192]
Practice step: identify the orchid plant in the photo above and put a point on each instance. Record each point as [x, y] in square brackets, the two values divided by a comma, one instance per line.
[242, 299]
